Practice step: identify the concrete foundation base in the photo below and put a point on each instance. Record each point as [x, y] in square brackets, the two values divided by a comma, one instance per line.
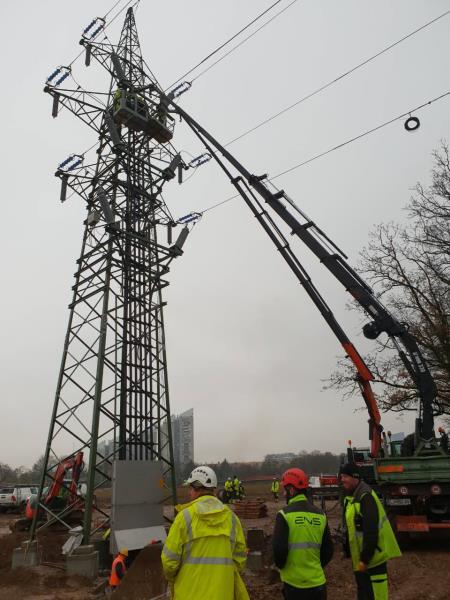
[254, 561]
[83, 561]
[25, 556]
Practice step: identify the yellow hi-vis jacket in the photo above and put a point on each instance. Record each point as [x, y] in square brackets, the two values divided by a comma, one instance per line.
[303, 568]
[228, 486]
[275, 488]
[204, 552]
[387, 546]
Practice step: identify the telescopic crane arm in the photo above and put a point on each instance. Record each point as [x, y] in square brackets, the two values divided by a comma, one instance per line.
[249, 187]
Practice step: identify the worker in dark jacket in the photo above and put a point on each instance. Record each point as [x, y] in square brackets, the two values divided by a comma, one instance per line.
[370, 539]
[302, 543]
[118, 568]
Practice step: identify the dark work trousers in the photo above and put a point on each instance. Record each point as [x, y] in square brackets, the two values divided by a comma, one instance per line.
[373, 583]
[315, 593]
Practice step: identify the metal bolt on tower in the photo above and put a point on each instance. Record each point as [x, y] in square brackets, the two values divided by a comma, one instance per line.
[113, 383]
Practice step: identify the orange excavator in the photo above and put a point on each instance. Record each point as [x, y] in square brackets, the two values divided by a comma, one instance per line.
[61, 496]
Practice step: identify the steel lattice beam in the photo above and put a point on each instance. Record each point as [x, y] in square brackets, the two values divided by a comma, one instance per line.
[113, 376]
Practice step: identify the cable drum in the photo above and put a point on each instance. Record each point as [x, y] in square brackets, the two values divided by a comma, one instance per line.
[412, 123]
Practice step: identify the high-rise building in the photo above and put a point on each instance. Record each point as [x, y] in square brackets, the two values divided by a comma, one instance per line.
[183, 437]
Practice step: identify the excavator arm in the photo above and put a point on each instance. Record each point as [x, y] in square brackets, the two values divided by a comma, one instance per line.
[252, 188]
[74, 463]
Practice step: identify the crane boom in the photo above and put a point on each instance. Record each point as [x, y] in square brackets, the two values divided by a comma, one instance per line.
[335, 261]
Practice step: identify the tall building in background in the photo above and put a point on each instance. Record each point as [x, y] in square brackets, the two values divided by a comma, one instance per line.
[183, 437]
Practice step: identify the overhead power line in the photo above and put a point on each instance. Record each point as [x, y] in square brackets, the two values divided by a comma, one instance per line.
[112, 8]
[336, 79]
[338, 146]
[244, 40]
[211, 54]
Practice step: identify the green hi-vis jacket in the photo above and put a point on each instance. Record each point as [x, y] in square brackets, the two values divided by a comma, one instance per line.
[303, 568]
[275, 487]
[204, 552]
[387, 546]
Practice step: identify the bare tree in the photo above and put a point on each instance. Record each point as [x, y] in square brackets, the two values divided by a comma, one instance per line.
[409, 267]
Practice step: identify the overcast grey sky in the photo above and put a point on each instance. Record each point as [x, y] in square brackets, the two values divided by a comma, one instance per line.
[246, 348]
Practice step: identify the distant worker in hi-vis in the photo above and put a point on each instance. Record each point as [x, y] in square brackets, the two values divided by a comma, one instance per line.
[275, 488]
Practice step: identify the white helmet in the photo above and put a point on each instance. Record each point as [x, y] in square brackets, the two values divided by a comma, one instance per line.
[203, 475]
[229, 478]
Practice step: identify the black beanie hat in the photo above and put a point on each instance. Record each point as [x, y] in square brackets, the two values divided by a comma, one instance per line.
[351, 469]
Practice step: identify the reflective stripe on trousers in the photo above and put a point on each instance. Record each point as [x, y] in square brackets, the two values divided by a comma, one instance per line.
[372, 586]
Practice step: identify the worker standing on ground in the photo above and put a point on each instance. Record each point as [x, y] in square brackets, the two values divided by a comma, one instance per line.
[205, 548]
[118, 569]
[275, 488]
[241, 490]
[236, 484]
[302, 543]
[229, 489]
[371, 541]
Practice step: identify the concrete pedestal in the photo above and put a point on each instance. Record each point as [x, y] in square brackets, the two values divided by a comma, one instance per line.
[25, 556]
[83, 561]
[254, 561]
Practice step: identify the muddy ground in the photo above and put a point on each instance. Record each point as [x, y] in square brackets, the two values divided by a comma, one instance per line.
[423, 572]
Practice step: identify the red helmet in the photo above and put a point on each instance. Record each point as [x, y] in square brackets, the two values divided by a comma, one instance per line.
[295, 477]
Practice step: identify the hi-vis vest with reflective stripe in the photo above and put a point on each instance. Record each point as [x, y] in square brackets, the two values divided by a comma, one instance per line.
[113, 579]
[203, 552]
[387, 546]
[303, 568]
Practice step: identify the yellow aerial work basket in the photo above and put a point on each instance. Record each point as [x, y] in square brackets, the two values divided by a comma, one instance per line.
[131, 110]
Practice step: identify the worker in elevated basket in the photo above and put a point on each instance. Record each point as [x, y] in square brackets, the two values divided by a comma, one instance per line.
[301, 542]
[370, 539]
[205, 548]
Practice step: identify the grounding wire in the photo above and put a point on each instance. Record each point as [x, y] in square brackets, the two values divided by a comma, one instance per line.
[337, 147]
[92, 95]
[243, 41]
[336, 79]
[224, 44]
[112, 8]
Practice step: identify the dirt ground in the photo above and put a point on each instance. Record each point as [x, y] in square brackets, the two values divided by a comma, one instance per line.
[423, 572]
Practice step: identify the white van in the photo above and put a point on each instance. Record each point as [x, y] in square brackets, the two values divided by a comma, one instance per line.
[14, 497]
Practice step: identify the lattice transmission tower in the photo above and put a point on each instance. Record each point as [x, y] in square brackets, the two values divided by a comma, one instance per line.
[112, 383]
